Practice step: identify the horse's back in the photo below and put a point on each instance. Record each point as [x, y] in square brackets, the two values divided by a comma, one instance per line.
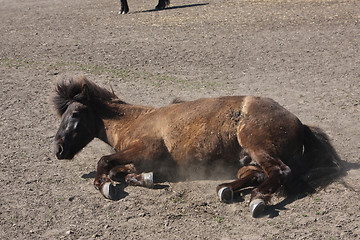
[204, 129]
[221, 128]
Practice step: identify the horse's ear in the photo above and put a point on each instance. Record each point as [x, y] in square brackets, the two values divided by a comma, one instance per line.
[84, 95]
[86, 92]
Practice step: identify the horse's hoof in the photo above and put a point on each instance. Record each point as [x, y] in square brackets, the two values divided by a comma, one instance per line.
[107, 190]
[148, 179]
[257, 206]
[225, 194]
[123, 11]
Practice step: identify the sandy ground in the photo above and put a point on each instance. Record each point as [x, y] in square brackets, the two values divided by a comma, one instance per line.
[302, 53]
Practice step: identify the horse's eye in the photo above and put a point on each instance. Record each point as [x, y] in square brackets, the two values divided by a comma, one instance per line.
[75, 114]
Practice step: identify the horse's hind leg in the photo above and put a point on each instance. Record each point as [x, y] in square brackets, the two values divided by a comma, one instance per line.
[248, 176]
[277, 173]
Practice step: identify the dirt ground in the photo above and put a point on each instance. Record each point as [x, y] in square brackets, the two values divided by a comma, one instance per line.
[302, 53]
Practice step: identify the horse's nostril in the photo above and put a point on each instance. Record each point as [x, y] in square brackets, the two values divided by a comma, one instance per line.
[59, 150]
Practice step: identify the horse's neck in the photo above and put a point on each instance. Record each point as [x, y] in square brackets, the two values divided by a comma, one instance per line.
[114, 129]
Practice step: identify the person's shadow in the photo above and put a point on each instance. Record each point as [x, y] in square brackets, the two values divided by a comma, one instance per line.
[173, 7]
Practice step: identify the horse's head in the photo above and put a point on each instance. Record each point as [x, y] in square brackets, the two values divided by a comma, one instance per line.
[77, 129]
[80, 103]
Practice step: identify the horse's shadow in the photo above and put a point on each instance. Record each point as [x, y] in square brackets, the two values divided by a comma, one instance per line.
[274, 210]
[89, 175]
[172, 7]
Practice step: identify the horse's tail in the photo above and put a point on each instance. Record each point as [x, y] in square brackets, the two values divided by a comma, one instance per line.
[319, 155]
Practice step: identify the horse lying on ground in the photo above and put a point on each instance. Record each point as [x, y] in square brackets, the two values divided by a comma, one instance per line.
[210, 132]
[125, 7]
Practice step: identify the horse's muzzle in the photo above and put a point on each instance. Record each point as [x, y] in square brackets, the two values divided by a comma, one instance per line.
[59, 151]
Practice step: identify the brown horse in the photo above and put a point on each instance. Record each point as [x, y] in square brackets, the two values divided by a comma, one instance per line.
[125, 7]
[274, 145]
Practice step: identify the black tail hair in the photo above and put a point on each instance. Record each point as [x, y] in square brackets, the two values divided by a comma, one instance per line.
[318, 150]
[318, 166]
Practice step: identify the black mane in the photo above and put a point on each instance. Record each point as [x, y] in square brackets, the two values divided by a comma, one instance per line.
[69, 90]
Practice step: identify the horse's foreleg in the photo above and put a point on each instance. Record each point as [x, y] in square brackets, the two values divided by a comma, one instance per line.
[107, 165]
[143, 179]
[248, 176]
[128, 174]
[118, 173]
[115, 163]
